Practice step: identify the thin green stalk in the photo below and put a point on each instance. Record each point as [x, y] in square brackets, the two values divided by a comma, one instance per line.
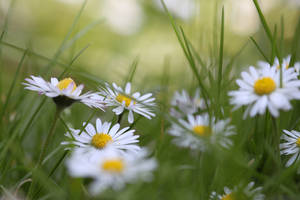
[187, 52]
[295, 43]
[12, 87]
[32, 118]
[220, 71]
[260, 50]
[2, 36]
[120, 117]
[62, 45]
[87, 122]
[266, 28]
[132, 70]
[204, 92]
[44, 150]
[276, 139]
[53, 170]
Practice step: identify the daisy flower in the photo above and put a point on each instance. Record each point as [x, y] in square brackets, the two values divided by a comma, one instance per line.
[285, 64]
[123, 99]
[183, 104]
[249, 192]
[260, 90]
[64, 92]
[111, 169]
[290, 146]
[102, 136]
[196, 132]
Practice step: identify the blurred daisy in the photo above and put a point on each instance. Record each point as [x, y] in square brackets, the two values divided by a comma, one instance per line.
[249, 192]
[102, 136]
[124, 17]
[290, 146]
[123, 99]
[260, 89]
[181, 9]
[183, 104]
[111, 169]
[64, 92]
[285, 64]
[196, 133]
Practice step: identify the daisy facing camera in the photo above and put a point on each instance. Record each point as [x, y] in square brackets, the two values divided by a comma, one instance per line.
[65, 92]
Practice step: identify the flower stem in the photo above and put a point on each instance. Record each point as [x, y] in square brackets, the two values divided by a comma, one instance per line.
[43, 152]
[120, 117]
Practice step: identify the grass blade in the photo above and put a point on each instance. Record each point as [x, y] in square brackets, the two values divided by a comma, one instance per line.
[221, 51]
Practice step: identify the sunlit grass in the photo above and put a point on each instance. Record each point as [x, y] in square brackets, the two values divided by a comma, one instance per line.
[182, 173]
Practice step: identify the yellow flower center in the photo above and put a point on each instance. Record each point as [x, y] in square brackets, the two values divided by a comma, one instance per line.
[298, 142]
[264, 85]
[286, 66]
[63, 84]
[120, 98]
[227, 197]
[115, 166]
[202, 130]
[100, 140]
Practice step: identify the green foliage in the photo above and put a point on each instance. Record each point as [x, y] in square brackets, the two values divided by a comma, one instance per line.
[182, 174]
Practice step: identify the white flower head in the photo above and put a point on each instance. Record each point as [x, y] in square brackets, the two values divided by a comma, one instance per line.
[260, 90]
[248, 192]
[183, 104]
[123, 99]
[197, 132]
[290, 146]
[285, 64]
[64, 92]
[104, 136]
[111, 169]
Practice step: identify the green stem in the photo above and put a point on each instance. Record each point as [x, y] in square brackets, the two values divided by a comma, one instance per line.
[120, 117]
[49, 136]
[43, 152]
[276, 140]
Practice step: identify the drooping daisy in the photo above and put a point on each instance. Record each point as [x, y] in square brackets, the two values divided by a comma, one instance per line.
[248, 192]
[64, 92]
[290, 146]
[110, 169]
[102, 136]
[197, 132]
[123, 99]
[183, 104]
[260, 90]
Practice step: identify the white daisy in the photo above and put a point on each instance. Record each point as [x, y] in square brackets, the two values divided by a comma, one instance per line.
[102, 136]
[197, 132]
[248, 192]
[285, 64]
[111, 169]
[64, 92]
[260, 89]
[123, 99]
[183, 104]
[290, 146]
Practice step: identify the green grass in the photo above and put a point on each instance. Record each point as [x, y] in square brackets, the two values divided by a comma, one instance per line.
[26, 118]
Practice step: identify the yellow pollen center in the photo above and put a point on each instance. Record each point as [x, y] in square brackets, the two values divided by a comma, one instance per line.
[100, 140]
[227, 197]
[202, 130]
[120, 98]
[63, 84]
[115, 166]
[298, 142]
[286, 66]
[264, 85]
